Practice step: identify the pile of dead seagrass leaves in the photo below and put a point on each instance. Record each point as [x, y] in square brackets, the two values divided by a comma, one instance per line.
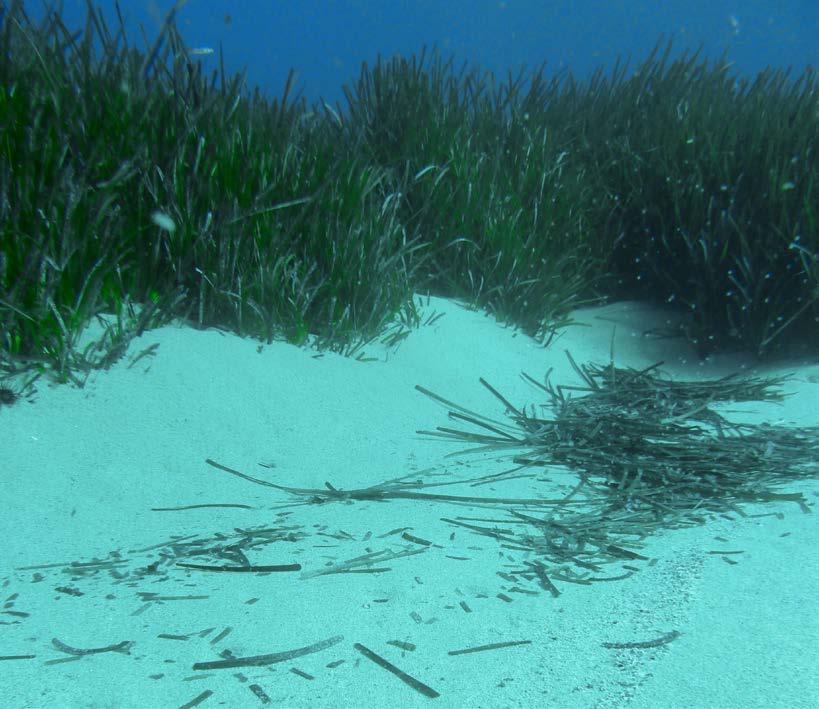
[647, 453]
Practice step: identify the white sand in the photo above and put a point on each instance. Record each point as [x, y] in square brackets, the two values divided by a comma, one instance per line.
[82, 468]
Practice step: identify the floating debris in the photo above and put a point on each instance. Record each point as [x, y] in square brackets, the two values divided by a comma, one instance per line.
[241, 569]
[269, 659]
[662, 640]
[491, 646]
[363, 564]
[260, 693]
[198, 699]
[417, 685]
[222, 635]
[163, 221]
[124, 647]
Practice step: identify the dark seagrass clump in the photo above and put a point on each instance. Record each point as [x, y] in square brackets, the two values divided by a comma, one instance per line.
[647, 453]
[711, 184]
[627, 454]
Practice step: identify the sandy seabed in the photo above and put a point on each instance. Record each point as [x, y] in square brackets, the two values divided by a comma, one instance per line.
[88, 474]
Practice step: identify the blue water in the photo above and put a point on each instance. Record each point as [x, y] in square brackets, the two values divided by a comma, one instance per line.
[325, 41]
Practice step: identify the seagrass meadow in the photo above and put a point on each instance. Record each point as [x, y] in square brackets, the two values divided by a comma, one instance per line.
[134, 184]
[279, 466]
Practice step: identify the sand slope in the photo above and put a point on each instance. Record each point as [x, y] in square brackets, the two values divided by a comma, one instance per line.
[83, 468]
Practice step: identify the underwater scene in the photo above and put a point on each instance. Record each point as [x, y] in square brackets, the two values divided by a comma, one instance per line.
[409, 353]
